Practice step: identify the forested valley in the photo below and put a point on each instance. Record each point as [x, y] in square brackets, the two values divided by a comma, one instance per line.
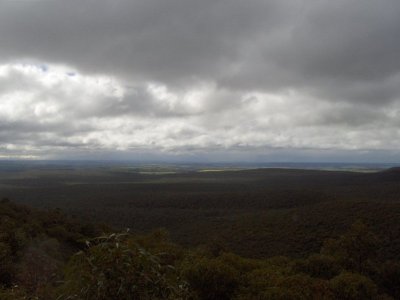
[251, 234]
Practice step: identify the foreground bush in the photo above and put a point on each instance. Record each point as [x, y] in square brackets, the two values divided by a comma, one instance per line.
[212, 279]
[350, 286]
[37, 262]
[115, 267]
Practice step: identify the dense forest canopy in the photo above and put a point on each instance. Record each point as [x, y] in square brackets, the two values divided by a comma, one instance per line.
[255, 213]
[250, 234]
[46, 255]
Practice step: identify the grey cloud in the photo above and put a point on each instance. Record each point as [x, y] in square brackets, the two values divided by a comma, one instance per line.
[269, 43]
[348, 40]
[280, 74]
[153, 40]
[347, 51]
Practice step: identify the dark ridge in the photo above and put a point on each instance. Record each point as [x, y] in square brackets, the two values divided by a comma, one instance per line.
[390, 174]
[395, 170]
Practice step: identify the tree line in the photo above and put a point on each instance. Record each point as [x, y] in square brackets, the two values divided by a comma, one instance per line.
[47, 255]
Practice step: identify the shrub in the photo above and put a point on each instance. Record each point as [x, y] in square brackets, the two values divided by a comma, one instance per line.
[351, 286]
[212, 279]
[320, 266]
[115, 267]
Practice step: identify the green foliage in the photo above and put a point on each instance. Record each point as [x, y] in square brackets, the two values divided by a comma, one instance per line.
[39, 267]
[211, 279]
[254, 213]
[6, 265]
[356, 250]
[41, 257]
[273, 283]
[319, 266]
[158, 241]
[115, 267]
[351, 286]
[15, 293]
[30, 260]
[301, 287]
[390, 278]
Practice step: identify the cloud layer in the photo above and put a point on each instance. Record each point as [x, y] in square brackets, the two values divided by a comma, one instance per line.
[214, 79]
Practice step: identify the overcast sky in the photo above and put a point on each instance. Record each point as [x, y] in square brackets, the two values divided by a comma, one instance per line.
[206, 80]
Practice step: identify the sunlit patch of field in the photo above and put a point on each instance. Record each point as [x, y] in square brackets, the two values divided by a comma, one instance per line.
[219, 170]
[157, 172]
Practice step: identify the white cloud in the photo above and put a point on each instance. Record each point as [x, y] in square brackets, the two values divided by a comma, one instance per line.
[56, 111]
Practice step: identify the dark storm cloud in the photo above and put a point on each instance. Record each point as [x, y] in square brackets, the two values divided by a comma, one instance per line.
[151, 40]
[211, 74]
[348, 40]
[254, 44]
[348, 50]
